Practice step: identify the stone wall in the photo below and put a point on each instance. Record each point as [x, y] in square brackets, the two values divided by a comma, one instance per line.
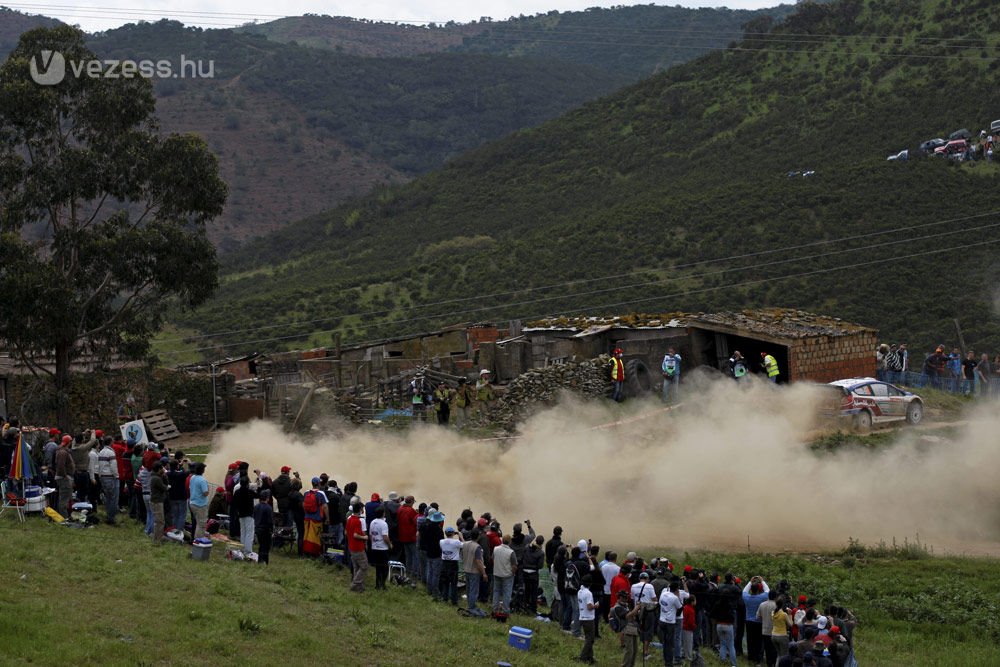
[542, 386]
[827, 358]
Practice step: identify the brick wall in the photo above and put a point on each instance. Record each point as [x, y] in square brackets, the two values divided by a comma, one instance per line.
[827, 358]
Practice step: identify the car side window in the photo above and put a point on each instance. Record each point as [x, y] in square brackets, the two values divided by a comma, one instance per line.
[893, 391]
[879, 389]
[865, 390]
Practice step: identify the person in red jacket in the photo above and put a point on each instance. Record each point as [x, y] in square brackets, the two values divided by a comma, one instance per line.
[407, 519]
[621, 582]
[689, 625]
[124, 471]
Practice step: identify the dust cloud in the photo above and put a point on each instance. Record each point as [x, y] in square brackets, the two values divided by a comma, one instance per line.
[728, 465]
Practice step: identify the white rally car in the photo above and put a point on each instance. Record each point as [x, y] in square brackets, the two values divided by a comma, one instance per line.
[868, 401]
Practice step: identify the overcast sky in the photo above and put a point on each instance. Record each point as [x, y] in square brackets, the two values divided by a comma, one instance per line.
[227, 13]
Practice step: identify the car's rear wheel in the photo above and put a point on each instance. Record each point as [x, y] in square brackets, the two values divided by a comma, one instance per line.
[914, 413]
[863, 421]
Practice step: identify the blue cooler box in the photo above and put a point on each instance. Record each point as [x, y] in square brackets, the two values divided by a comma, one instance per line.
[519, 638]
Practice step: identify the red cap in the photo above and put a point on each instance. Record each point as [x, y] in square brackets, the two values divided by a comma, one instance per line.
[803, 599]
[375, 498]
[687, 569]
[233, 466]
[738, 580]
[66, 439]
[482, 522]
[53, 432]
[835, 630]
[618, 350]
[99, 433]
[285, 469]
[220, 489]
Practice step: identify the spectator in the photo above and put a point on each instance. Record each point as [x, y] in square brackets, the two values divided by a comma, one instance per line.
[263, 525]
[451, 547]
[381, 543]
[780, 628]
[588, 607]
[628, 635]
[314, 511]
[609, 570]
[671, 370]
[689, 626]
[531, 566]
[644, 597]
[984, 373]
[107, 475]
[475, 571]
[764, 613]
[407, 518]
[65, 469]
[754, 594]
[504, 569]
[280, 489]
[669, 604]
[969, 373]
[357, 540]
[157, 497]
[178, 494]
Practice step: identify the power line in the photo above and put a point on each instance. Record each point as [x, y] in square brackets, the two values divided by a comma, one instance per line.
[749, 283]
[505, 24]
[567, 283]
[577, 295]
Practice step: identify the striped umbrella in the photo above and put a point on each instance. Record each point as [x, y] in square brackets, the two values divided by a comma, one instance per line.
[20, 463]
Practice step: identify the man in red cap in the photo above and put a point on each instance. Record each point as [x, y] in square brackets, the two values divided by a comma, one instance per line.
[64, 471]
[280, 488]
[407, 519]
[49, 452]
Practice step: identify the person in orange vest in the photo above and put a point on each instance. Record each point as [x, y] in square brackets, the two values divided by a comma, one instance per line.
[617, 367]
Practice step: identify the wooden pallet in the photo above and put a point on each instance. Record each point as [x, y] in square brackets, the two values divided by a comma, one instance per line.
[159, 426]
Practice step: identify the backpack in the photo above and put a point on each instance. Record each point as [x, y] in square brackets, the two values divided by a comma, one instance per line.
[572, 578]
[615, 621]
[311, 502]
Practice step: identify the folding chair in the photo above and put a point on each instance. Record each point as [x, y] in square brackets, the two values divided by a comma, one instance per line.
[12, 500]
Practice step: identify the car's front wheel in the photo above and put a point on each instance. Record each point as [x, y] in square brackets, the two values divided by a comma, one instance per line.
[914, 413]
[863, 421]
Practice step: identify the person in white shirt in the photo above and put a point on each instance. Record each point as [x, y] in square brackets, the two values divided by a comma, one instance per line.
[609, 570]
[378, 534]
[451, 548]
[670, 604]
[585, 599]
[644, 596]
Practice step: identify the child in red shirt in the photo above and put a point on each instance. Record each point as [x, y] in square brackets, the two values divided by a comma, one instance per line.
[689, 625]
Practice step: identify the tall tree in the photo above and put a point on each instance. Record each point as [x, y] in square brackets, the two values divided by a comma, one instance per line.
[102, 218]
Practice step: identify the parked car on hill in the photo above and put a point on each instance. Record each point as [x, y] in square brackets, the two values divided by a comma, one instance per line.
[960, 134]
[956, 149]
[933, 144]
[901, 155]
[995, 127]
[867, 401]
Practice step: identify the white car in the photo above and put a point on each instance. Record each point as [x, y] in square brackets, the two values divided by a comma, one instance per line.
[868, 401]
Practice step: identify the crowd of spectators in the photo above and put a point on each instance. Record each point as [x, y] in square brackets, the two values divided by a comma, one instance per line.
[639, 605]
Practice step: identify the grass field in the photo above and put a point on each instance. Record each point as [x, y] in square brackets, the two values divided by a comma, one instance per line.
[105, 596]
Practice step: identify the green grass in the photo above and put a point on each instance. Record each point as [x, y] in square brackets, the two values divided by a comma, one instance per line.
[147, 605]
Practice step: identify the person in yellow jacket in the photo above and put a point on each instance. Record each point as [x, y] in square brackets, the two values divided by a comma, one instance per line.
[464, 399]
[484, 392]
[443, 396]
[617, 369]
[770, 366]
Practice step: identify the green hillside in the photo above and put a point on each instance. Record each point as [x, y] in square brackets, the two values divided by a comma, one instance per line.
[688, 166]
[13, 23]
[300, 130]
[634, 41]
[631, 41]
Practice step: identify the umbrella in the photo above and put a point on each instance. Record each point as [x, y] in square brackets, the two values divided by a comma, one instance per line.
[20, 463]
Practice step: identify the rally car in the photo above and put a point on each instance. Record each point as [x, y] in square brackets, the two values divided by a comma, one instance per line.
[868, 401]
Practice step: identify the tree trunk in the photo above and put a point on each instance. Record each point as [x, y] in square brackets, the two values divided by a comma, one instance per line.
[62, 387]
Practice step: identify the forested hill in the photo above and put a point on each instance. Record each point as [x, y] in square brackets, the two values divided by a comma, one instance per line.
[635, 41]
[630, 41]
[299, 130]
[13, 23]
[688, 166]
